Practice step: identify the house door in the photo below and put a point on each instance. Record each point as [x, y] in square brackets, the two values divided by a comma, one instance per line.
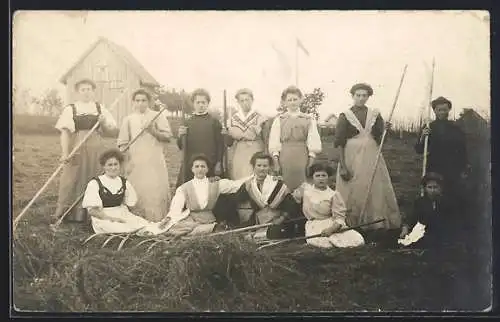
[116, 88]
[101, 77]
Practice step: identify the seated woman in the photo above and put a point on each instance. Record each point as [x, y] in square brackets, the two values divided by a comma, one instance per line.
[429, 222]
[198, 196]
[325, 210]
[108, 198]
[270, 201]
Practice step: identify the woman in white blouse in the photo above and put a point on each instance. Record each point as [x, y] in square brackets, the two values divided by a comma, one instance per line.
[325, 211]
[109, 196]
[294, 140]
[74, 123]
[146, 165]
[193, 202]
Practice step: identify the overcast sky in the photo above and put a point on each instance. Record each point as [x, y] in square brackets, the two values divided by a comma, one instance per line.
[230, 50]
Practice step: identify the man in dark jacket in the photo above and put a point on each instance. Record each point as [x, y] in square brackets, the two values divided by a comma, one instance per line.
[446, 149]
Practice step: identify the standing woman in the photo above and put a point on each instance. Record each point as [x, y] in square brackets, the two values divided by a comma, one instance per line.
[245, 135]
[74, 123]
[294, 140]
[358, 134]
[146, 167]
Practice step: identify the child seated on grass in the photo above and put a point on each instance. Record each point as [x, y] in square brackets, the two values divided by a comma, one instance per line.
[325, 210]
[428, 225]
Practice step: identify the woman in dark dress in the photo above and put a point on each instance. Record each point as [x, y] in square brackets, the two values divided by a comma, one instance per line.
[446, 149]
[358, 133]
[75, 122]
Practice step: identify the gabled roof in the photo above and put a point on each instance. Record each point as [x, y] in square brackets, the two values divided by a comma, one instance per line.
[330, 117]
[121, 52]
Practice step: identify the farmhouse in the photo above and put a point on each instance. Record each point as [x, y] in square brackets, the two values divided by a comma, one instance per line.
[114, 69]
[330, 121]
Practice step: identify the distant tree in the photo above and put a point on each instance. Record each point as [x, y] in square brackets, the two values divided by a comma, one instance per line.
[51, 102]
[21, 99]
[310, 103]
[186, 100]
[174, 100]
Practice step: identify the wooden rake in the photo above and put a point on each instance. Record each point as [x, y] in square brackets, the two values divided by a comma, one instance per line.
[123, 236]
[244, 229]
[61, 166]
[284, 241]
[55, 226]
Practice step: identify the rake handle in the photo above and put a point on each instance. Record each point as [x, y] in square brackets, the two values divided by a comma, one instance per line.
[320, 234]
[59, 221]
[239, 230]
[379, 152]
[426, 139]
[52, 177]
[61, 166]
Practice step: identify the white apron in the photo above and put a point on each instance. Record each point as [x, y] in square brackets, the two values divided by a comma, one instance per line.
[360, 155]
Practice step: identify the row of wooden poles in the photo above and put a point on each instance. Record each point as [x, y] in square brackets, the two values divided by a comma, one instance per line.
[226, 116]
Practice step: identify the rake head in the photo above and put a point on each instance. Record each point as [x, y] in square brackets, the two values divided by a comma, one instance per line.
[124, 237]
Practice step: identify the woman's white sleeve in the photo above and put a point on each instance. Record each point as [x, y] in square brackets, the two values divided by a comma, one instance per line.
[313, 139]
[65, 120]
[91, 197]
[275, 137]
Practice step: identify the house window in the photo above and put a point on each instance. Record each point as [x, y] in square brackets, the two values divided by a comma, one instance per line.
[101, 72]
[116, 84]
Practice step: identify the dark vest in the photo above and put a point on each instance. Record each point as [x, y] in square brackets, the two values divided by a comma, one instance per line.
[85, 121]
[109, 199]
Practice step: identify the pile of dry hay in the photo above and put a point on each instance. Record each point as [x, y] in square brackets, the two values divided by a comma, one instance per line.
[224, 273]
[56, 273]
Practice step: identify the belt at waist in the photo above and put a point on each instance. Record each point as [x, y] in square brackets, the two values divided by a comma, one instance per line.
[202, 216]
[247, 140]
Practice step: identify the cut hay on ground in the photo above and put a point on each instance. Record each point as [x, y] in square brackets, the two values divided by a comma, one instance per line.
[55, 273]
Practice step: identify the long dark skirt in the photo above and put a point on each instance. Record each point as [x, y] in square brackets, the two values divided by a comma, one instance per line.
[83, 166]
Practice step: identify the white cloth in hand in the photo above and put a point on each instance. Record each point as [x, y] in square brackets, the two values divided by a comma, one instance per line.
[415, 235]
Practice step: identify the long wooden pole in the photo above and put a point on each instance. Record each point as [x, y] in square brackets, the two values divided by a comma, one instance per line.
[296, 64]
[61, 166]
[249, 228]
[317, 235]
[184, 143]
[73, 205]
[426, 139]
[226, 161]
[379, 153]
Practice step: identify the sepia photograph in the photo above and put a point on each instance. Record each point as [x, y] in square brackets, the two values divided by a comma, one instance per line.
[251, 161]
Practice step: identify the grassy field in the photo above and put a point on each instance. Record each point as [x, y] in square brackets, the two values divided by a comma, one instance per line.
[48, 267]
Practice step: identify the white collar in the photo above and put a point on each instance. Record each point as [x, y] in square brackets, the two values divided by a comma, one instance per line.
[106, 177]
[242, 115]
[266, 179]
[328, 189]
[85, 103]
[267, 187]
[204, 180]
[145, 112]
